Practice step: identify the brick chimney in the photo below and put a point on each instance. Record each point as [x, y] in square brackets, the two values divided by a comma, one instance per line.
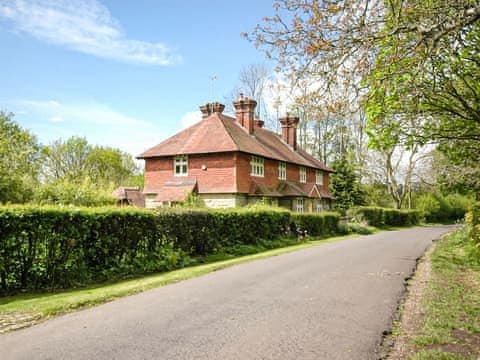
[245, 112]
[289, 130]
[259, 123]
[210, 108]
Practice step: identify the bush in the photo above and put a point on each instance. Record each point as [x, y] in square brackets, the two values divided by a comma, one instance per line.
[472, 220]
[380, 217]
[437, 208]
[316, 224]
[51, 247]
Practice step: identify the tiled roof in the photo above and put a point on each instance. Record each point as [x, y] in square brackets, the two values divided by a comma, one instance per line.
[258, 189]
[132, 195]
[221, 133]
[176, 189]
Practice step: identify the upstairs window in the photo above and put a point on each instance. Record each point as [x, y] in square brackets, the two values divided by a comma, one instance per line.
[256, 166]
[180, 165]
[319, 177]
[303, 174]
[282, 170]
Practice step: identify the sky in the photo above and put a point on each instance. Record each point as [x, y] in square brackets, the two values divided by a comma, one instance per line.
[126, 74]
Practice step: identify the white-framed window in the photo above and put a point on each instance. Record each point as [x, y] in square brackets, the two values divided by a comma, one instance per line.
[300, 205]
[319, 206]
[282, 170]
[303, 174]
[257, 166]
[180, 165]
[319, 177]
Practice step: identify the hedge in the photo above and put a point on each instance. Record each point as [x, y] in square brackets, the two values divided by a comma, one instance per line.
[472, 219]
[380, 217]
[316, 224]
[52, 247]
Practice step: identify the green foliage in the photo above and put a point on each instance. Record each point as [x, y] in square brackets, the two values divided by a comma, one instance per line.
[377, 194]
[380, 217]
[51, 247]
[355, 228]
[472, 220]
[439, 208]
[316, 224]
[84, 193]
[18, 161]
[345, 185]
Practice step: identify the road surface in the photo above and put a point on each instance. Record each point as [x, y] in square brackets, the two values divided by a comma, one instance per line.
[331, 301]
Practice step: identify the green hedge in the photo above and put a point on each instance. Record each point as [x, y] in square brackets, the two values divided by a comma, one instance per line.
[380, 217]
[52, 247]
[472, 220]
[316, 224]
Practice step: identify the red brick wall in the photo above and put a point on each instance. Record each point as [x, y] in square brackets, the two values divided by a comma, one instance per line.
[157, 171]
[271, 173]
[218, 177]
[221, 174]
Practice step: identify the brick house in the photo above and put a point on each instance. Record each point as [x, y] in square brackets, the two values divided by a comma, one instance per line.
[232, 162]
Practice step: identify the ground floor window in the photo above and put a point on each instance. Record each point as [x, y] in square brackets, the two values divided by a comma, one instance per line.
[318, 206]
[300, 205]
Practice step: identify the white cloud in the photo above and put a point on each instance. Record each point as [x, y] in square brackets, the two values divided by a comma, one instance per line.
[85, 26]
[191, 118]
[98, 123]
[56, 119]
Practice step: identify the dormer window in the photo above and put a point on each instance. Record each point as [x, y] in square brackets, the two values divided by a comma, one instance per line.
[319, 177]
[282, 170]
[303, 174]
[180, 165]
[257, 166]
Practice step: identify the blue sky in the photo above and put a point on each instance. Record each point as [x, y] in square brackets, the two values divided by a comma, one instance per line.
[124, 73]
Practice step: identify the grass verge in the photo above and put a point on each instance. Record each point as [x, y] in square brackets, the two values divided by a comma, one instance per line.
[450, 327]
[37, 307]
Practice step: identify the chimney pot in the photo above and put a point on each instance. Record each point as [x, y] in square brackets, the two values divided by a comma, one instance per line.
[245, 112]
[210, 108]
[289, 130]
[259, 123]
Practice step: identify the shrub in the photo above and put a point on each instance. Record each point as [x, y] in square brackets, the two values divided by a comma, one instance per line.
[379, 217]
[472, 220]
[317, 224]
[437, 208]
[51, 247]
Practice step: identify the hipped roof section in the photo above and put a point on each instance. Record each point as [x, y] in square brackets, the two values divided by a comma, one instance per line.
[221, 133]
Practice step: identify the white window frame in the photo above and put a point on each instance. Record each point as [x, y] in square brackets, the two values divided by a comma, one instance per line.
[319, 206]
[257, 166]
[300, 205]
[282, 170]
[303, 174]
[319, 177]
[180, 165]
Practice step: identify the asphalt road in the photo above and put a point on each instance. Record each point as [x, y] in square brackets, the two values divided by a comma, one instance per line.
[331, 301]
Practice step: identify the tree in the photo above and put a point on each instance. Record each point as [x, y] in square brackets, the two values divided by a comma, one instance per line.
[18, 161]
[78, 173]
[75, 159]
[344, 185]
[254, 81]
[403, 59]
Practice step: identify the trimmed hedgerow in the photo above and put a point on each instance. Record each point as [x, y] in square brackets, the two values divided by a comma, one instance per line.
[380, 217]
[472, 220]
[52, 247]
[316, 224]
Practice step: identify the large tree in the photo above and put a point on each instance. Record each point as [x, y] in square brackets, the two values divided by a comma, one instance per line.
[75, 159]
[18, 161]
[407, 60]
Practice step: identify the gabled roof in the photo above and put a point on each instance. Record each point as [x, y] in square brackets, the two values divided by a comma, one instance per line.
[132, 195]
[221, 133]
[176, 190]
